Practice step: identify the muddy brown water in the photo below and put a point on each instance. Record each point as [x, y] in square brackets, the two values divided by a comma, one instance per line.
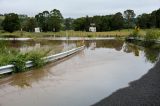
[79, 80]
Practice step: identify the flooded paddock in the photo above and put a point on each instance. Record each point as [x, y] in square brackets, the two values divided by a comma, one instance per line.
[82, 79]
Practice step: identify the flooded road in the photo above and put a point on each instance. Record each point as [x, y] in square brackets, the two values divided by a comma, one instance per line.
[79, 80]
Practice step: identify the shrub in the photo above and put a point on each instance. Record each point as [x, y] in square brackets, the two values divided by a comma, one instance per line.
[152, 35]
[35, 57]
[19, 63]
[135, 32]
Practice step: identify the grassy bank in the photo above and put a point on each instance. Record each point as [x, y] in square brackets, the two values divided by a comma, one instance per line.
[151, 35]
[118, 33]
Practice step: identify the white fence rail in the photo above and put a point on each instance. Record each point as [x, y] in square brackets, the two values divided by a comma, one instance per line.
[9, 68]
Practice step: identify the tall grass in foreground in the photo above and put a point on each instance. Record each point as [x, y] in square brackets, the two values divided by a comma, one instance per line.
[11, 56]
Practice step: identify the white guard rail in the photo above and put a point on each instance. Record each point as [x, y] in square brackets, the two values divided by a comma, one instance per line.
[9, 68]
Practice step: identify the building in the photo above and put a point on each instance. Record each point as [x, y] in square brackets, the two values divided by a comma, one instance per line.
[37, 29]
[92, 27]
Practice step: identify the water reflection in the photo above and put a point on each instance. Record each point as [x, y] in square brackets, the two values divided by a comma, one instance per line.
[130, 48]
[26, 46]
[24, 80]
[151, 53]
[92, 74]
[113, 44]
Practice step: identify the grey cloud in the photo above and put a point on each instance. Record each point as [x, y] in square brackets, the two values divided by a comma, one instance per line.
[78, 8]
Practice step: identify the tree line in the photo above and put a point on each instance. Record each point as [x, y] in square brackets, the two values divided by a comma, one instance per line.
[54, 21]
[151, 20]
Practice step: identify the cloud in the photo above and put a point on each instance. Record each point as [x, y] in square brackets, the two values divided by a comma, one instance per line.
[78, 8]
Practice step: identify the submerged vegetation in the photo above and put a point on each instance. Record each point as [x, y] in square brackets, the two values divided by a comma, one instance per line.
[152, 35]
[148, 42]
[9, 55]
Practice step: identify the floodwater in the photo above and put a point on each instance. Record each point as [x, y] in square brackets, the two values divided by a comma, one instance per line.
[81, 79]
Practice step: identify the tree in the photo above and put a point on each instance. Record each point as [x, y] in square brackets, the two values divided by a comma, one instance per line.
[68, 24]
[98, 22]
[117, 21]
[158, 18]
[153, 19]
[50, 21]
[1, 20]
[129, 15]
[87, 23]
[105, 23]
[11, 22]
[43, 20]
[144, 21]
[55, 20]
[30, 25]
[23, 19]
[79, 24]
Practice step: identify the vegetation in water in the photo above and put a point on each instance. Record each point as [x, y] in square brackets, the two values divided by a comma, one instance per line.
[36, 58]
[152, 35]
[19, 62]
[135, 33]
[12, 56]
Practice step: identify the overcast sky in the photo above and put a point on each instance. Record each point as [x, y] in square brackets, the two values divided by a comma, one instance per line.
[78, 8]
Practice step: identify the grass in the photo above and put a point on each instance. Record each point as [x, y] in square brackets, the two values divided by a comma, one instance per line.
[152, 35]
[116, 33]
[11, 56]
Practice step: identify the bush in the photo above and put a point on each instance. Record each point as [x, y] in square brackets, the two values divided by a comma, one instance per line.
[19, 63]
[152, 35]
[35, 57]
[10, 55]
[135, 33]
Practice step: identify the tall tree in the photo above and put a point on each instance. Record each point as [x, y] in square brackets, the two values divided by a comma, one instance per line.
[158, 18]
[42, 20]
[23, 19]
[45, 21]
[144, 21]
[11, 22]
[105, 23]
[55, 20]
[129, 15]
[68, 24]
[98, 22]
[30, 25]
[153, 19]
[1, 20]
[87, 23]
[117, 21]
[79, 24]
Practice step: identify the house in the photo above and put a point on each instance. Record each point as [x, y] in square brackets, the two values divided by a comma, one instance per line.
[92, 27]
[37, 29]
